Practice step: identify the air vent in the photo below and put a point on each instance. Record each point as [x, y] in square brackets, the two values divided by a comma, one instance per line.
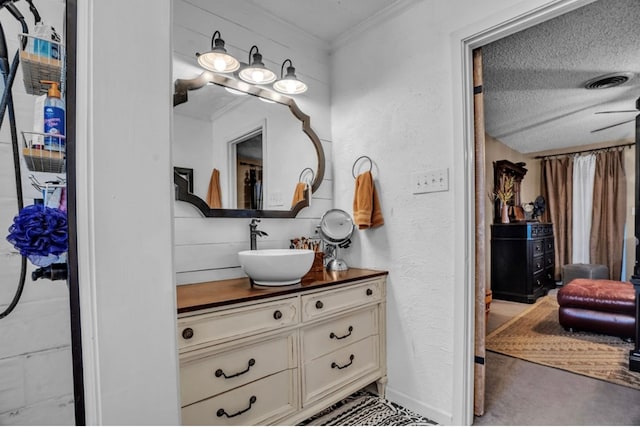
[608, 81]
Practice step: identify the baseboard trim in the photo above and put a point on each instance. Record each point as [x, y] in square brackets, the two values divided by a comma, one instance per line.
[436, 415]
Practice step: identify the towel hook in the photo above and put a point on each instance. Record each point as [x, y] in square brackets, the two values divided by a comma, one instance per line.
[307, 170]
[353, 168]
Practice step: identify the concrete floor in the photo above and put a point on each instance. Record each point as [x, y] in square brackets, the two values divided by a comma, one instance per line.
[523, 393]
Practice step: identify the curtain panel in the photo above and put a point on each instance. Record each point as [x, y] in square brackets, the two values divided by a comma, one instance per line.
[557, 178]
[609, 211]
[584, 168]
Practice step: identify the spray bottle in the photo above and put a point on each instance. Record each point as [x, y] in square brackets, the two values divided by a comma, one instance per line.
[53, 118]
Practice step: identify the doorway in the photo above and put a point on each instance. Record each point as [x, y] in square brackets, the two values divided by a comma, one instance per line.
[246, 178]
[485, 32]
[593, 12]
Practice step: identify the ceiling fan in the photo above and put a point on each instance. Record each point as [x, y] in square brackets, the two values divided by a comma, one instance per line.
[637, 110]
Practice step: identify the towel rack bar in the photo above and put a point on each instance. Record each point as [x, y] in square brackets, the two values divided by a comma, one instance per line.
[353, 168]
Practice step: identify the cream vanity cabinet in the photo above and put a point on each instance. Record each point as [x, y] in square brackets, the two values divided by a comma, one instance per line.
[281, 357]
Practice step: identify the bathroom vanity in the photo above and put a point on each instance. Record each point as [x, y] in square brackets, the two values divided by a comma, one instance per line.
[277, 356]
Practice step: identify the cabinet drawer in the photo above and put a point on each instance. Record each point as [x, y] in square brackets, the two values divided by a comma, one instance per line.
[537, 248]
[538, 264]
[206, 375]
[257, 403]
[549, 259]
[231, 324]
[538, 281]
[317, 305]
[328, 336]
[548, 245]
[340, 367]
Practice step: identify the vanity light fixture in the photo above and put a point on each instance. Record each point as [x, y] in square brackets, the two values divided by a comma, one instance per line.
[256, 72]
[217, 59]
[289, 84]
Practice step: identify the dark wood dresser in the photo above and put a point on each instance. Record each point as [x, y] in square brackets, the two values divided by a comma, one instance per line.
[522, 261]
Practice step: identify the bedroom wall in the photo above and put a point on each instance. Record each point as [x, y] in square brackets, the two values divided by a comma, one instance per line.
[496, 150]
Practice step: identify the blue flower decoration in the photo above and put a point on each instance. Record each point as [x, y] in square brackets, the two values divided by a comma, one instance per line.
[41, 231]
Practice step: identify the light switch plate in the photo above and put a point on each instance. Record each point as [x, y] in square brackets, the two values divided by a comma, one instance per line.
[436, 180]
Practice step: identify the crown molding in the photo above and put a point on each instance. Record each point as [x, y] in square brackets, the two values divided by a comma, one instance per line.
[377, 18]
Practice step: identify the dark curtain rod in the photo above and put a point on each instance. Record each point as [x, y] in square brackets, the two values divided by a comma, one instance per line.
[585, 151]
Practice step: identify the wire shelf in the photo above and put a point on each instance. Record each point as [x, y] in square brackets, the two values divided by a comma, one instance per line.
[44, 152]
[42, 60]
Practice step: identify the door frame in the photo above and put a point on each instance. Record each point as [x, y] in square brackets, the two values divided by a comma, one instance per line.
[509, 21]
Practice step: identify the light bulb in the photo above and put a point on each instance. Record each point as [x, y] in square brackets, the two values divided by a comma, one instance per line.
[219, 64]
[291, 86]
[257, 75]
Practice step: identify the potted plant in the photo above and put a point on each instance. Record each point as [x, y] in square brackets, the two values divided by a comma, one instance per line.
[504, 193]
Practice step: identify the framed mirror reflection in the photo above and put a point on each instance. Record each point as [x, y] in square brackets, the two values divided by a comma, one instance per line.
[247, 147]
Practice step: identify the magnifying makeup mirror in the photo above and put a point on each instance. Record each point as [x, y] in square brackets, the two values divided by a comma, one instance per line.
[336, 228]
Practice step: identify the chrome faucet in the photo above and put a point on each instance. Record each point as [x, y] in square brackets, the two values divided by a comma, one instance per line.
[253, 232]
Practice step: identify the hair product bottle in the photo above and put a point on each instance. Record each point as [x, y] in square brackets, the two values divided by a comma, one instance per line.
[53, 118]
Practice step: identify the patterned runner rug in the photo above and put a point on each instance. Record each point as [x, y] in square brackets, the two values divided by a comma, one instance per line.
[366, 409]
[536, 336]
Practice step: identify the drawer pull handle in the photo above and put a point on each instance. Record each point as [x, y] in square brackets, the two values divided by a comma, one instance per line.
[187, 333]
[222, 412]
[277, 315]
[319, 304]
[333, 335]
[251, 363]
[336, 366]
[369, 292]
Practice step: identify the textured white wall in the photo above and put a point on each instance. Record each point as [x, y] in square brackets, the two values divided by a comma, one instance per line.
[206, 248]
[392, 99]
[36, 382]
[125, 192]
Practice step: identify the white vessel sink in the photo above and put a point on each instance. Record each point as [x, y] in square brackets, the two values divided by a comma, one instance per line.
[275, 268]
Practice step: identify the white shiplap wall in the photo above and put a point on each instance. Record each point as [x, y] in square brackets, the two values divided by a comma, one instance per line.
[206, 248]
[36, 379]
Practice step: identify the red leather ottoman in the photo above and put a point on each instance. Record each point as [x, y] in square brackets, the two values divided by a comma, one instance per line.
[598, 305]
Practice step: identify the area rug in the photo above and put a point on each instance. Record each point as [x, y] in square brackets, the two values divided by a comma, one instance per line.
[366, 409]
[536, 336]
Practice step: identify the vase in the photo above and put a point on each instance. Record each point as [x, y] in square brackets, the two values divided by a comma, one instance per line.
[504, 214]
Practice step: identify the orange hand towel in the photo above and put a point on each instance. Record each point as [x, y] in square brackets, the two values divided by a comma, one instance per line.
[298, 193]
[214, 195]
[366, 205]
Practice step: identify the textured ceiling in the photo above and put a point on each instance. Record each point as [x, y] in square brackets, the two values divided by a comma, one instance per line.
[533, 80]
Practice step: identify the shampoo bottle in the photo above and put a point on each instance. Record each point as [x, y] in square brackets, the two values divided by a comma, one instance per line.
[53, 118]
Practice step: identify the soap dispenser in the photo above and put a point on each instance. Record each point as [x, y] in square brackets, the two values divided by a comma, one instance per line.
[54, 116]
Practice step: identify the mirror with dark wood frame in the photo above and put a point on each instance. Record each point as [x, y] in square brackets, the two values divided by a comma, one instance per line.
[289, 147]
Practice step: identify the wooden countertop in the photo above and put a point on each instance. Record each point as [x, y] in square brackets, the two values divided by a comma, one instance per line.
[203, 295]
